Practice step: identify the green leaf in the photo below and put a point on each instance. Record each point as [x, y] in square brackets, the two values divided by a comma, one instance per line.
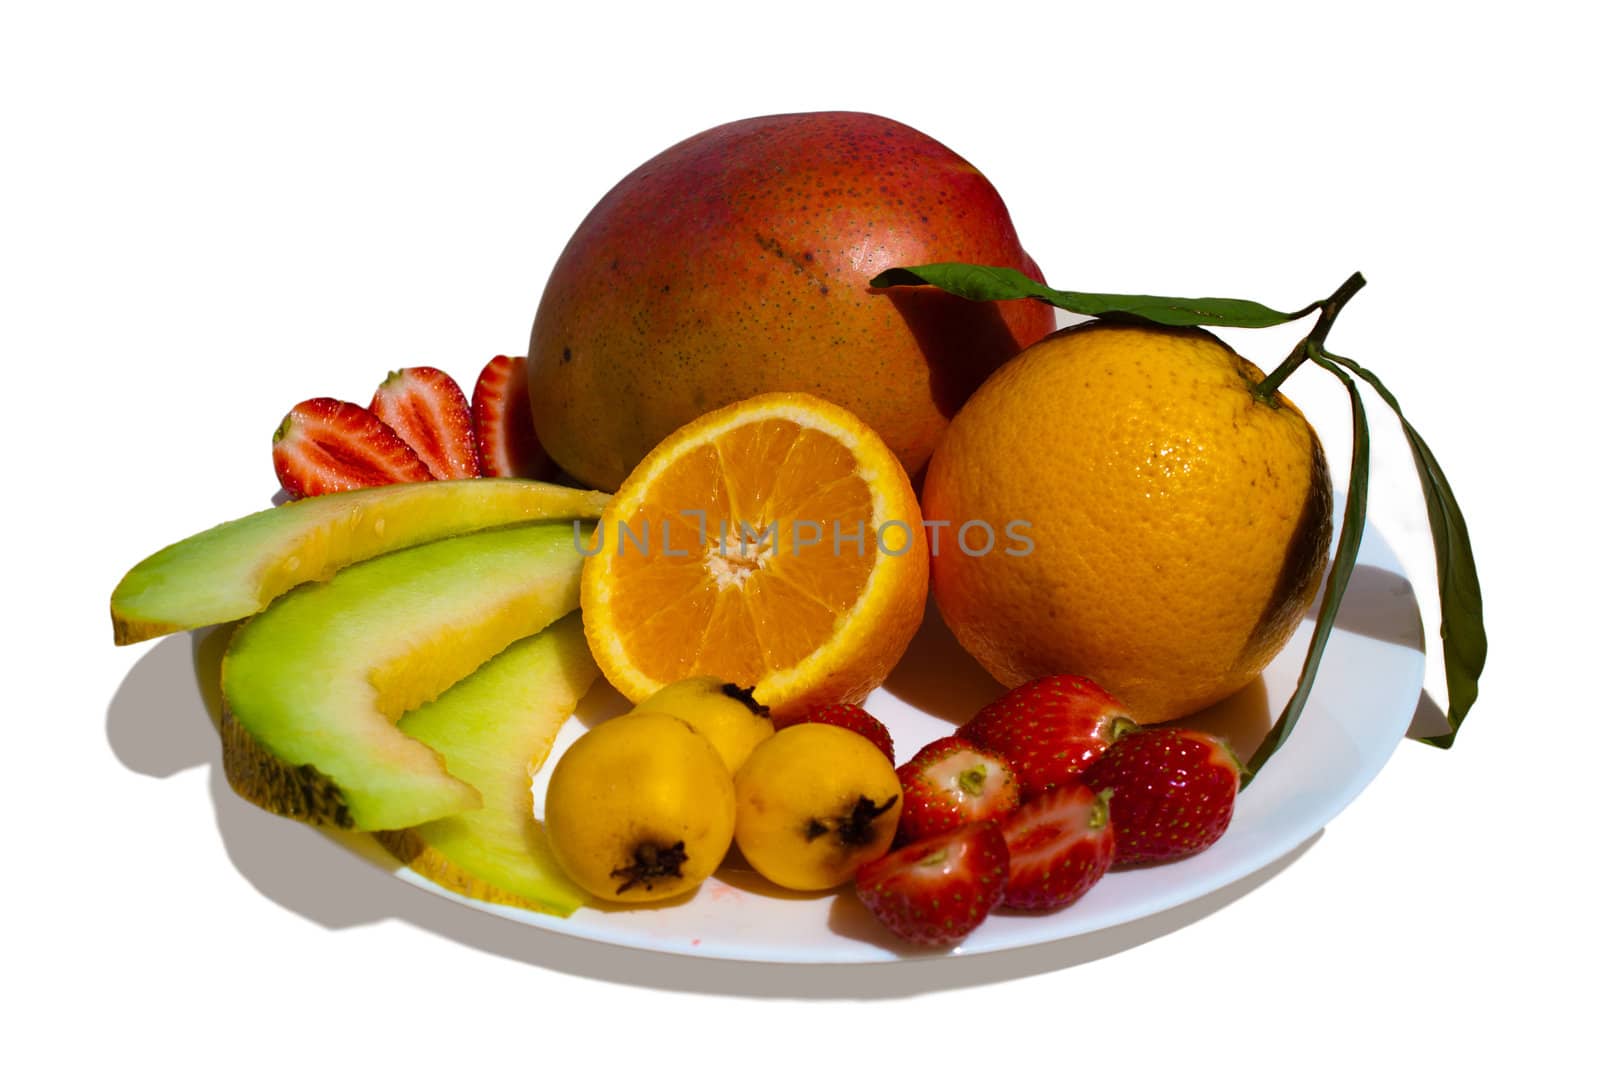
[1002, 283]
[1344, 563]
[1465, 643]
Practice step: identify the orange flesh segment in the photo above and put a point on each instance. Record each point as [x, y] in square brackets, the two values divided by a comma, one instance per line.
[736, 608]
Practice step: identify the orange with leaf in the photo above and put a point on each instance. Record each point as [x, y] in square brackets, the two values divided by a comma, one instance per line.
[1180, 504]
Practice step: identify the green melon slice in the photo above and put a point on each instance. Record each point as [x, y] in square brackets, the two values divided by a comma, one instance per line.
[234, 570]
[494, 729]
[313, 686]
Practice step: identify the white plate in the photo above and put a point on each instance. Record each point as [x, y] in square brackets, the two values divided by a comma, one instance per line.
[1366, 692]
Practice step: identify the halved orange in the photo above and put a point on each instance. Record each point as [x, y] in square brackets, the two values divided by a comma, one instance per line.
[773, 543]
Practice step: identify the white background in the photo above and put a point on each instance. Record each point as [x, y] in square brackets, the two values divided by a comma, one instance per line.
[212, 211]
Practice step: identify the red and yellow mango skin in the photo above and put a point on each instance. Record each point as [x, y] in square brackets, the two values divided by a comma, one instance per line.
[736, 263]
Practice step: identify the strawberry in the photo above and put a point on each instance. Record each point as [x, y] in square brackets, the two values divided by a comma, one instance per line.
[424, 405]
[1060, 843]
[952, 782]
[503, 419]
[1172, 792]
[851, 717]
[326, 445]
[1049, 729]
[936, 891]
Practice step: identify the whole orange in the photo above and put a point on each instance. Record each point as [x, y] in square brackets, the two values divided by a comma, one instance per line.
[1156, 525]
[736, 263]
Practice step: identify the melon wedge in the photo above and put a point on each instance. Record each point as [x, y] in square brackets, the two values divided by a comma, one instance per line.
[234, 570]
[313, 686]
[494, 729]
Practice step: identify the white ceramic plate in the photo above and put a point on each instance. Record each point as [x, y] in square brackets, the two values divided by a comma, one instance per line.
[1366, 692]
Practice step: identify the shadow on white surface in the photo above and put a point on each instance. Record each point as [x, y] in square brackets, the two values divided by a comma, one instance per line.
[915, 973]
[1382, 605]
[938, 676]
[1429, 720]
[1379, 604]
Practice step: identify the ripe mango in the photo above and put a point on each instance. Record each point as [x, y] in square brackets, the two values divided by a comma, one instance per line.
[736, 263]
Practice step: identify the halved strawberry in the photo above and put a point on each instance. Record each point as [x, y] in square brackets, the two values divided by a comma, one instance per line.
[1049, 729]
[325, 446]
[1172, 792]
[425, 406]
[503, 419]
[951, 782]
[851, 717]
[1060, 842]
[936, 891]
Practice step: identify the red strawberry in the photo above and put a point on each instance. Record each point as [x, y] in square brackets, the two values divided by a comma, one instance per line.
[952, 782]
[851, 717]
[1049, 729]
[1172, 792]
[426, 408]
[326, 445]
[503, 419]
[1060, 843]
[935, 891]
